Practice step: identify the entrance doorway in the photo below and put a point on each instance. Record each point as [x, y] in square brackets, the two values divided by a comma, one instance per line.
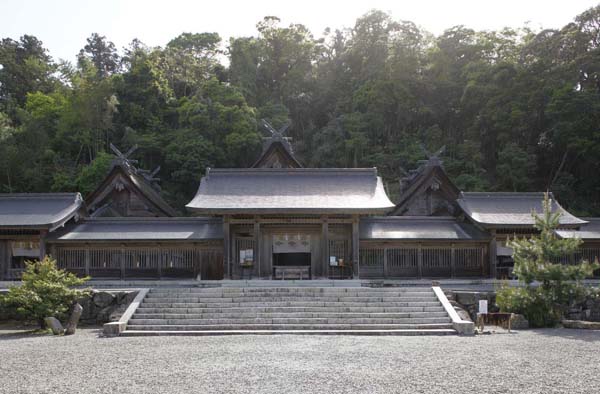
[291, 265]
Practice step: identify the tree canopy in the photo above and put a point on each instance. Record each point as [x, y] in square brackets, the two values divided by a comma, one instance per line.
[517, 109]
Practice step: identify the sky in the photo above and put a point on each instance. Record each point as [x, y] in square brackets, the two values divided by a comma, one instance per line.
[64, 25]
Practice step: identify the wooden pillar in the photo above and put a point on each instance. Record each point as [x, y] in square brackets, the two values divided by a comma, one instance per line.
[324, 247]
[257, 239]
[227, 245]
[492, 251]
[355, 247]
[159, 261]
[43, 234]
[453, 261]
[385, 262]
[87, 259]
[122, 261]
[420, 261]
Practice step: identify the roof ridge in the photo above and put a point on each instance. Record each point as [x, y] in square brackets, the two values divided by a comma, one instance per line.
[503, 194]
[148, 219]
[422, 218]
[39, 195]
[288, 170]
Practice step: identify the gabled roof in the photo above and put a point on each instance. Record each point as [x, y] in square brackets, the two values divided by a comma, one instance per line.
[38, 210]
[277, 154]
[293, 190]
[141, 229]
[587, 232]
[510, 210]
[419, 228]
[136, 181]
[430, 175]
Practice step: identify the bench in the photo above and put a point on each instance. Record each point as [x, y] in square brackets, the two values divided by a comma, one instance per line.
[292, 272]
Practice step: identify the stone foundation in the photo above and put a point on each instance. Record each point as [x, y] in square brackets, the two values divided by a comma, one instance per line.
[588, 310]
[105, 306]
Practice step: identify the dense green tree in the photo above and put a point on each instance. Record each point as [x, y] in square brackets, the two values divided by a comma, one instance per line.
[516, 108]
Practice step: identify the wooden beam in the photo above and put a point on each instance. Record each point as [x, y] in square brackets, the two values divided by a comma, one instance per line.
[122, 261]
[227, 245]
[355, 248]
[493, 250]
[257, 239]
[159, 261]
[452, 260]
[43, 234]
[385, 262]
[324, 247]
[420, 261]
[87, 260]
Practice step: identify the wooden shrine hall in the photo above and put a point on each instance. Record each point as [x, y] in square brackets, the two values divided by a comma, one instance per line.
[277, 220]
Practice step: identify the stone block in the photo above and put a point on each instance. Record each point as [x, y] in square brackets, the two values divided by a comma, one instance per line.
[113, 328]
[128, 297]
[468, 298]
[587, 325]
[464, 327]
[103, 299]
[103, 315]
[519, 322]
[54, 325]
[463, 314]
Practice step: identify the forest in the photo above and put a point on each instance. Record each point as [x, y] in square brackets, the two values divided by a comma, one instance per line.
[517, 109]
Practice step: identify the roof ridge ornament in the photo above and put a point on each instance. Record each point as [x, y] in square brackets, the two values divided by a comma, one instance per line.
[124, 159]
[276, 135]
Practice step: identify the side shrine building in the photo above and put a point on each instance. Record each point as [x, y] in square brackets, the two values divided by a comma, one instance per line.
[277, 220]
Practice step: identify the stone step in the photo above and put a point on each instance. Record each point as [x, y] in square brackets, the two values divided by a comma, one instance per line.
[378, 332]
[282, 296]
[221, 327]
[254, 298]
[336, 293]
[291, 309]
[315, 289]
[290, 299]
[288, 320]
[332, 315]
[286, 303]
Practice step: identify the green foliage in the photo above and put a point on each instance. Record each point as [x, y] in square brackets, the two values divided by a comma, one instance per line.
[549, 285]
[517, 109]
[46, 291]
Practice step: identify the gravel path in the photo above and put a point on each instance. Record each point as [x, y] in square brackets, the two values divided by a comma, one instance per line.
[536, 361]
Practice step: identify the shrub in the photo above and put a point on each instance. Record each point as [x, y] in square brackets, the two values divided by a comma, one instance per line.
[549, 286]
[45, 291]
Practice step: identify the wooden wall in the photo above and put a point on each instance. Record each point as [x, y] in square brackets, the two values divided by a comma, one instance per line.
[143, 260]
[401, 259]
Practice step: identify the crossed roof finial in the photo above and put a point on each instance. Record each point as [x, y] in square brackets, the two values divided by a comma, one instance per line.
[124, 156]
[433, 158]
[277, 135]
[274, 132]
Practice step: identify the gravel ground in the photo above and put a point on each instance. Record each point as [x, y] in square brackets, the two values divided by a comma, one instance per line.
[535, 361]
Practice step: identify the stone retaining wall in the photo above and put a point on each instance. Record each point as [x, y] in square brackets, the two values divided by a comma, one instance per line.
[588, 310]
[105, 306]
[99, 307]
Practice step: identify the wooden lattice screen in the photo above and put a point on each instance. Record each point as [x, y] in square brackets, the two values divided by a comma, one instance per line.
[121, 262]
[416, 261]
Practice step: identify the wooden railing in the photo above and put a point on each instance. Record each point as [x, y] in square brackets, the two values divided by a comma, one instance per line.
[139, 262]
[380, 260]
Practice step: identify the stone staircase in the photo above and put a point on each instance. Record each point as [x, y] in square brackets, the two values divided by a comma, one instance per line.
[298, 310]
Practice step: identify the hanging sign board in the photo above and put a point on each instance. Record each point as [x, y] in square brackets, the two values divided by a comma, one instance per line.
[291, 243]
[25, 248]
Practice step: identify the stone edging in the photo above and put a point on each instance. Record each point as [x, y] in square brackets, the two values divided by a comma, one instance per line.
[116, 328]
[463, 327]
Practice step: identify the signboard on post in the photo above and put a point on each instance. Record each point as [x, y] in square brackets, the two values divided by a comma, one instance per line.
[483, 306]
